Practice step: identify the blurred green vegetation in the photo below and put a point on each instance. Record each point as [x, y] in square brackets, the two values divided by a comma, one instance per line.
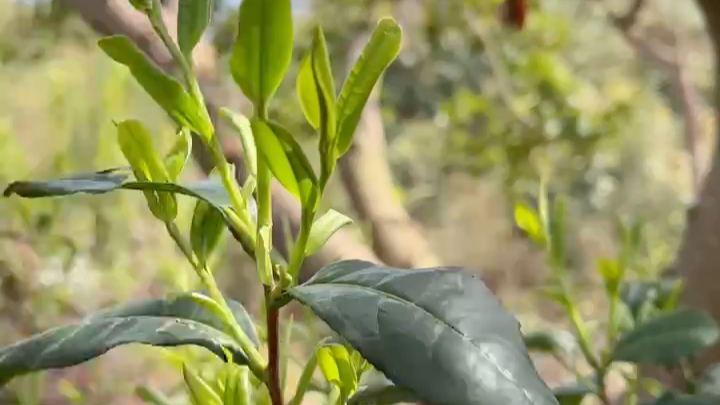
[475, 114]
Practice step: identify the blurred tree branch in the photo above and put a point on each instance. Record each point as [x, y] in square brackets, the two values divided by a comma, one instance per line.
[671, 59]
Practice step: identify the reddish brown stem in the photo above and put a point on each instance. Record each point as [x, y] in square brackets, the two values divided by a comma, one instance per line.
[273, 315]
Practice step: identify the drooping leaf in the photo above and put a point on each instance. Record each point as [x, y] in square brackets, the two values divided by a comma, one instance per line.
[177, 158]
[263, 48]
[306, 91]
[528, 220]
[167, 322]
[438, 332]
[192, 20]
[164, 89]
[668, 338]
[323, 228]
[210, 190]
[551, 341]
[325, 90]
[380, 51]
[244, 129]
[205, 231]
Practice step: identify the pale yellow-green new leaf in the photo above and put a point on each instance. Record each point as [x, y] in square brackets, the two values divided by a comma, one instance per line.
[324, 228]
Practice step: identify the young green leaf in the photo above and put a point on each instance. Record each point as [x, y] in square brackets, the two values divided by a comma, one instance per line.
[244, 129]
[460, 334]
[304, 173]
[164, 89]
[138, 149]
[263, 49]
[323, 228]
[380, 51]
[271, 150]
[287, 161]
[307, 92]
[199, 390]
[192, 20]
[177, 158]
[528, 220]
[348, 376]
[327, 365]
[612, 273]
[207, 227]
[325, 90]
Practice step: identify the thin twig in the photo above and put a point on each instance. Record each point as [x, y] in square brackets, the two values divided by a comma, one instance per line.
[273, 369]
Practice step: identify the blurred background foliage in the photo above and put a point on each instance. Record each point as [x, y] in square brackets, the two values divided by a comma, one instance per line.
[476, 114]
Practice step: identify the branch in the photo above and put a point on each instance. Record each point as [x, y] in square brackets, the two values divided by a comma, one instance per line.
[110, 17]
[671, 60]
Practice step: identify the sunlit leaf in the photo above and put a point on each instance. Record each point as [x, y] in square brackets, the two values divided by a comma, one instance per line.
[164, 89]
[263, 49]
[323, 228]
[192, 20]
[380, 51]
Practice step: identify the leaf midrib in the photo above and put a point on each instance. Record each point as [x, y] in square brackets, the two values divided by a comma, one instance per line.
[438, 320]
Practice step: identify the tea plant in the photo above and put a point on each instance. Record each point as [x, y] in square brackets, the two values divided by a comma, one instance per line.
[645, 326]
[434, 335]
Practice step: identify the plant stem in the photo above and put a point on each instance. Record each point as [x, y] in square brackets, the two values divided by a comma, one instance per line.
[255, 361]
[298, 254]
[158, 24]
[273, 342]
[264, 225]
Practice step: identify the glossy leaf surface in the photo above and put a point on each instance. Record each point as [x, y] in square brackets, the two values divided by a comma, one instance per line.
[438, 332]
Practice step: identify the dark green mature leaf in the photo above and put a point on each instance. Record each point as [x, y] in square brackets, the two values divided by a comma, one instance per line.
[164, 89]
[380, 51]
[192, 20]
[263, 48]
[635, 294]
[572, 395]
[668, 338]
[438, 332]
[210, 190]
[167, 322]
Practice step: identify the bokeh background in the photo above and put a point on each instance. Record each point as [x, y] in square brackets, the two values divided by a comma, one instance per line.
[473, 114]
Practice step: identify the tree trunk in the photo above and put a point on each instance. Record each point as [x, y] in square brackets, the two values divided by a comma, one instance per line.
[698, 259]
